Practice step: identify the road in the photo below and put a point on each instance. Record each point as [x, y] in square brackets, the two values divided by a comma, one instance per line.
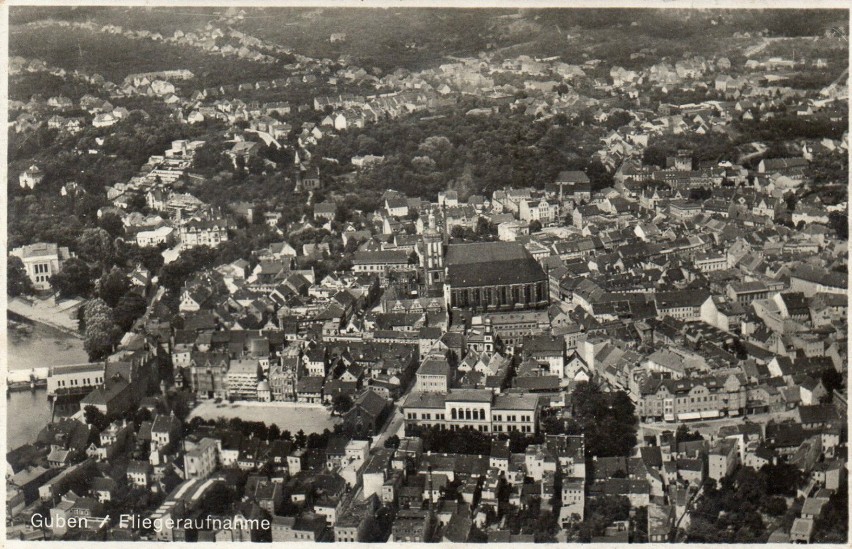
[396, 424]
[393, 426]
[760, 148]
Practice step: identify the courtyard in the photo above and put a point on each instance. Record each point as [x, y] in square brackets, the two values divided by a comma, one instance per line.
[288, 416]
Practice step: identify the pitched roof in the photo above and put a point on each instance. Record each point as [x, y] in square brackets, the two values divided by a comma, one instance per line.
[491, 264]
[371, 403]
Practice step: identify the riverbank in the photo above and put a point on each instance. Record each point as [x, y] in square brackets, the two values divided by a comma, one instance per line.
[57, 315]
[42, 347]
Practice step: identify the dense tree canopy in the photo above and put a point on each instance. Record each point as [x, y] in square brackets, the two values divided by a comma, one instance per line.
[101, 332]
[112, 286]
[470, 154]
[607, 420]
[17, 280]
[74, 280]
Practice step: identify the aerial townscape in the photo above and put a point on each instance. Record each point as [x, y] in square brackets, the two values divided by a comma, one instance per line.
[427, 275]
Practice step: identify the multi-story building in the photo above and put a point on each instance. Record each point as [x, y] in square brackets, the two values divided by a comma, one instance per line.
[208, 373]
[691, 399]
[478, 409]
[723, 458]
[241, 380]
[282, 379]
[41, 261]
[541, 210]
[433, 376]
[200, 462]
[203, 233]
[512, 327]
[547, 350]
[381, 261]
[707, 262]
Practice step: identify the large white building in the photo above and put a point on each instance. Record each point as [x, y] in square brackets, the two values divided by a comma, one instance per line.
[203, 233]
[41, 261]
[160, 235]
[541, 210]
[74, 378]
[478, 409]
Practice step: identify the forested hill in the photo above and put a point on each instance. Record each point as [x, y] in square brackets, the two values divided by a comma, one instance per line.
[419, 38]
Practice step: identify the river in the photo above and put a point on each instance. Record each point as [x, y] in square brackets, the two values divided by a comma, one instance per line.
[28, 411]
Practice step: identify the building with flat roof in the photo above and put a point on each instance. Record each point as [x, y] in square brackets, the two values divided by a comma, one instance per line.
[478, 409]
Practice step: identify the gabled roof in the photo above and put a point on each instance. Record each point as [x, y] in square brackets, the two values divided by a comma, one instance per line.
[371, 403]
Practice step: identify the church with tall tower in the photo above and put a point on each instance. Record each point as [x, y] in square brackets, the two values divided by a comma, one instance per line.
[432, 257]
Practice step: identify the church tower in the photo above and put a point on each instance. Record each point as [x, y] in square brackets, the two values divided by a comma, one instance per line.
[432, 259]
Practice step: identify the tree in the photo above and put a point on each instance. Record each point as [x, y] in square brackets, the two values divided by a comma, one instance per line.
[618, 119]
[112, 224]
[274, 432]
[780, 479]
[130, 307]
[458, 232]
[137, 203]
[75, 279]
[600, 513]
[599, 175]
[95, 417]
[17, 280]
[775, 506]
[535, 226]
[392, 442]
[683, 434]
[301, 439]
[101, 331]
[144, 414]
[342, 404]
[96, 246]
[655, 155]
[112, 286]
[832, 380]
[607, 419]
[839, 221]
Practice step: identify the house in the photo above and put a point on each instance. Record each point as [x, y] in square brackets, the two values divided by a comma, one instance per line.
[104, 120]
[802, 530]
[781, 165]
[201, 461]
[139, 473]
[574, 185]
[723, 458]
[165, 430]
[381, 261]
[396, 206]
[325, 210]
[310, 389]
[243, 151]
[160, 235]
[31, 177]
[368, 413]
[199, 232]
[543, 211]
[434, 375]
